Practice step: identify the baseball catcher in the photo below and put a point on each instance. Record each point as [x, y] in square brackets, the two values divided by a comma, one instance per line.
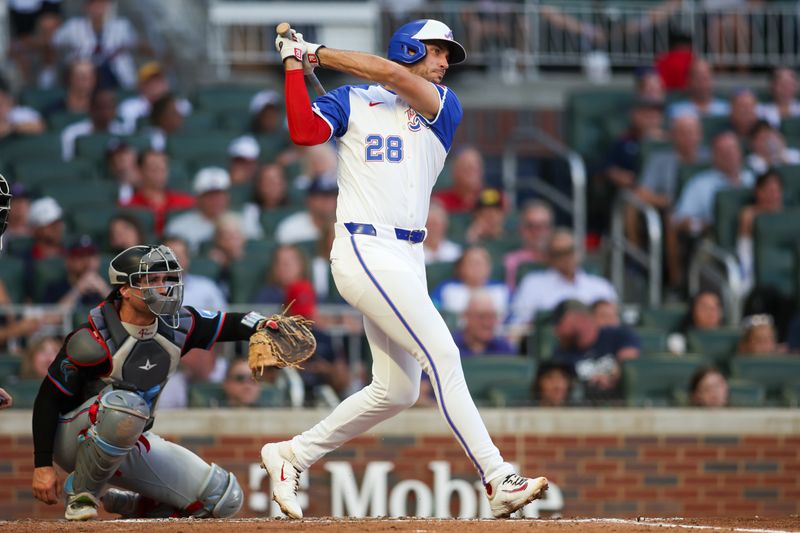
[96, 406]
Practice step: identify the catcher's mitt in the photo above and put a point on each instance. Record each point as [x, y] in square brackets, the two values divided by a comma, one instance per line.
[281, 341]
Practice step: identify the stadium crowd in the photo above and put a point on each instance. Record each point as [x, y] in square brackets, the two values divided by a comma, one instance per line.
[102, 154]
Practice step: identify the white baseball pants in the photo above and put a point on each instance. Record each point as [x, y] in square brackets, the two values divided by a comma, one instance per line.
[384, 278]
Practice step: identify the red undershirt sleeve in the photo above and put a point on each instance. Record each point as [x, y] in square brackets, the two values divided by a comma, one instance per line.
[306, 128]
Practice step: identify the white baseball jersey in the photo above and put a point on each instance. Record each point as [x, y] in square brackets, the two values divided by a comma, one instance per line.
[389, 156]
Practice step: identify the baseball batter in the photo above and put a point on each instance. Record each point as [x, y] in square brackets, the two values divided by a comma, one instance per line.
[96, 405]
[393, 138]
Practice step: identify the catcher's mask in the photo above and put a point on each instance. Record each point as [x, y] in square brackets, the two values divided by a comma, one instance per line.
[5, 207]
[156, 272]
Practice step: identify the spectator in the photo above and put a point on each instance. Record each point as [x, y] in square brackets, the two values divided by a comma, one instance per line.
[18, 217]
[47, 225]
[165, 120]
[468, 177]
[674, 65]
[489, 217]
[768, 148]
[605, 313]
[124, 231]
[122, 168]
[473, 270]
[17, 120]
[320, 213]
[200, 292]
[270, 192]
[151, 86]
[758, 335]
[438, 248]
[321, 265]
[479, 334]
[695, 209]
[38, 357]
[153, 194]
[744, 113]
[80, 83]
[82, 283]
[240, 387]
[104, 39]
[243, 155]
[102, 119]
[228, 247]
[196, 366]
[622, 163]
[288, 270]
[705, 313]
[708, 388]
[211, 187]
[268, 122]
[16, 327]
[552, 386]
[563, 280]
[535, 229]
[701, 100]
[649, 86]
[32, 24]
[594, 353]
[768, 198]
[659, 181]
[6, 400]
[319, 165]
[783, 87]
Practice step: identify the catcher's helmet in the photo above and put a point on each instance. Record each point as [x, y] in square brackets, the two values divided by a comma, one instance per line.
[5, 207]
[156, 272]
[407, 45]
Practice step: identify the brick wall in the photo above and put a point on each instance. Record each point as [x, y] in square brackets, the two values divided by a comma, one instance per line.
[597, 475]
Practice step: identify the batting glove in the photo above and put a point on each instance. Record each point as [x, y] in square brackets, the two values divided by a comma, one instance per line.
[311, 60]
[290, 47]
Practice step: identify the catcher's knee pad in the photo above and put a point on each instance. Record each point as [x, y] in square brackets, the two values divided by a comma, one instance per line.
[221, 495]
[121, 418]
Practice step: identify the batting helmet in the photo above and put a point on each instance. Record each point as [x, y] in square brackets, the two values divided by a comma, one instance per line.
[162, 293]
[407, 45]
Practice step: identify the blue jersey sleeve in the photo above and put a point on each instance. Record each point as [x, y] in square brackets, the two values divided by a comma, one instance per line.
[450, 112]
[334, 108]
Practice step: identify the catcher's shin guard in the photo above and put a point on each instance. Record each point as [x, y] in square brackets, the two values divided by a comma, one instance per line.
[221, 495]
[121, 418]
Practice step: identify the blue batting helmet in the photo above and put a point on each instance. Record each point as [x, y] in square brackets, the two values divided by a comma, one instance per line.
[407, 45]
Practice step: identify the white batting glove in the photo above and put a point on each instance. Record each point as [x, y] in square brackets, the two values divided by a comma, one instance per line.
[287, 47]
[310, 60]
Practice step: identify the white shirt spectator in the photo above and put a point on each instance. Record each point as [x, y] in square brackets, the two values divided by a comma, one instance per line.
[136, 107]
[447, 252]
[196, 229]
[70, 134]
[759, 165]
[542, 291]
[79, 41]
[296, 228]
[771, 114]
[21, 115]
[454, 296]
[202, 293]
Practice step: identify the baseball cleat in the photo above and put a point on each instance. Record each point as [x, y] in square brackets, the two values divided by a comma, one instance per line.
[513, 492]
[81, 506]
[285, 479]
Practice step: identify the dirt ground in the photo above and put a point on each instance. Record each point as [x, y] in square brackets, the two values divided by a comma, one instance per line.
[750, 524]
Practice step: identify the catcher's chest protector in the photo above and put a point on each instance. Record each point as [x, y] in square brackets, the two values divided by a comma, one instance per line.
[144, 364]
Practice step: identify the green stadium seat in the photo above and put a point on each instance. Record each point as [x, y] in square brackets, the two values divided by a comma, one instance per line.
[247, 276]
[685, 173]
[73, 195]
[594, 117]
[667, 318]
[95, 221]
[333, 292]
[727, 205]
[59, 121]
[180, 179]
[36, 173]
[234, 120]
[225, 98]
[775, 240]
[494, 373]
[12, 272]
[210, 145]
[791, 128]
[657, 380]
[791, 184]
[23, 392]
[93, 146]
[240, 195]
[718, 344]
[438, 273]
[271, 218]
[744, 393]
[199, 121]
[653, 340]
[202, 266]
[40, 99]
[774, 372]
[648, 148]
[272, 145]
[9, 367]
[46, 146]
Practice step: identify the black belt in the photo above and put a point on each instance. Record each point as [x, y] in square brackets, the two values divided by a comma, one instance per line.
[414, 236]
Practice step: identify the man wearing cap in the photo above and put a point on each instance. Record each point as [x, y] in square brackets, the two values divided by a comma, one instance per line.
[81, 283]
[310, 224]
[489, 217]
[211, 186]
[243, 155]
[45, 219]
[152, 85]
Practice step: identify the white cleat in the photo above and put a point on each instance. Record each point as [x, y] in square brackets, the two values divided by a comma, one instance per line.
[513, 492]
[81, 506]
[285, 479]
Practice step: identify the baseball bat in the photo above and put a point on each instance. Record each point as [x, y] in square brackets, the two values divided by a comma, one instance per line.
[285, 30]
